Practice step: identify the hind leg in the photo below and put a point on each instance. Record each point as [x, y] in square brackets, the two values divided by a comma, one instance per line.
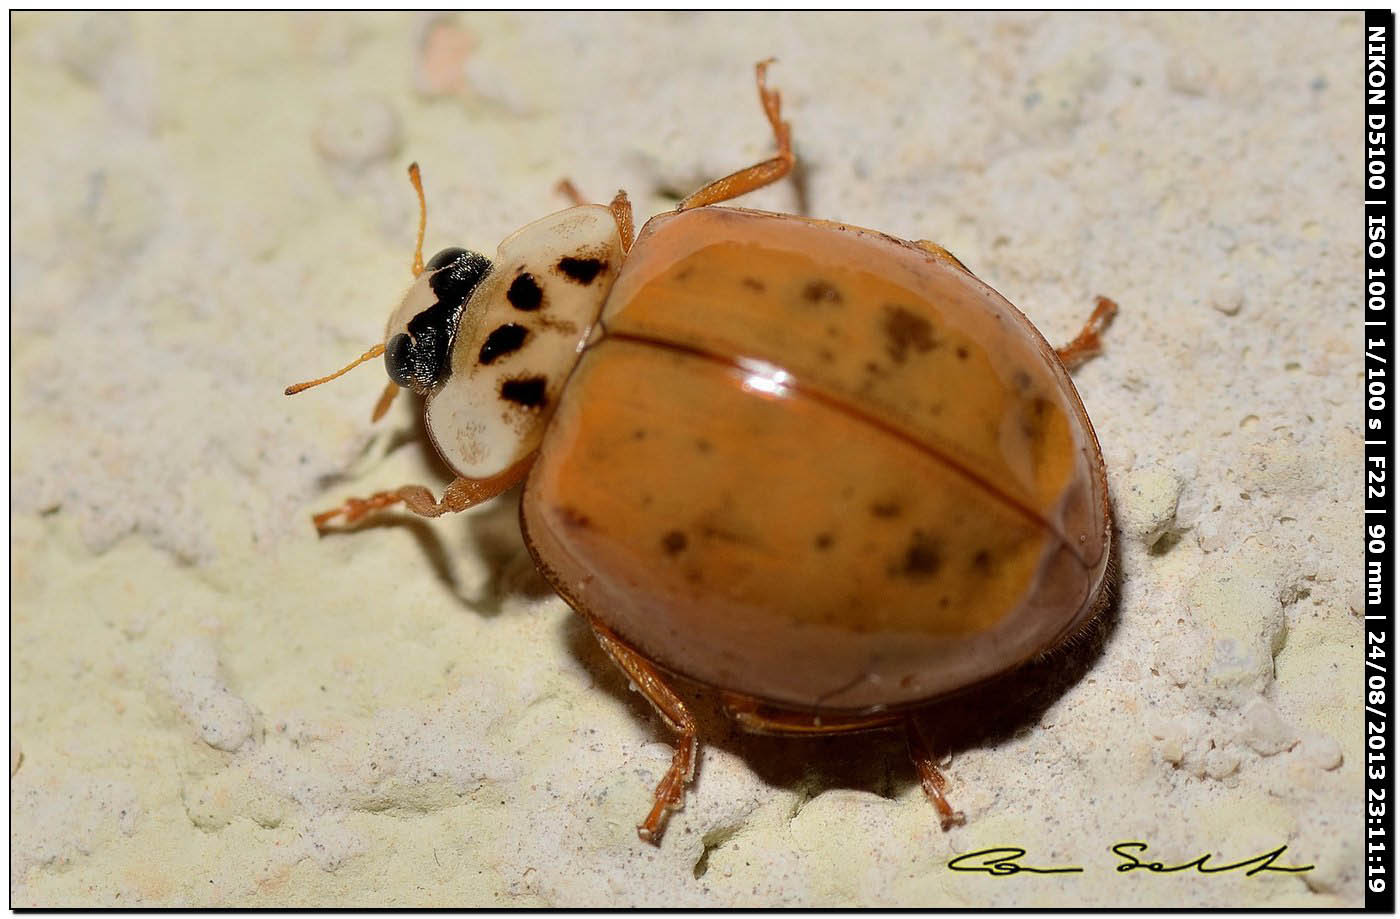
[932, 780]
[1086, 344]
[670, 791]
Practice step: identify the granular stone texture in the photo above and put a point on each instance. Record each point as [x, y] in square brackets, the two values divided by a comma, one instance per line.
[210, 706]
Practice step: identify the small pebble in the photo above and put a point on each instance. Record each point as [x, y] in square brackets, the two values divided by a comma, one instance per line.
[1222, 762]
[1189, 74]
[1147, 509]
[1228, 299]
[1321, 751]
[1172, 735]
[358, 131]
[443, 51]
[1264, 729]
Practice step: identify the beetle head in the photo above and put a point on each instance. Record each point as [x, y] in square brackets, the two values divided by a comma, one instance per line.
[418, 339]
[418, 342]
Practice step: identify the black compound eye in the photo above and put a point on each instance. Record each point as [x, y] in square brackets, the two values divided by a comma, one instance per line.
[398, 359]
[444, 258]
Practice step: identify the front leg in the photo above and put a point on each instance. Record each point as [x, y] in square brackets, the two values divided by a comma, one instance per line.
[460, 494]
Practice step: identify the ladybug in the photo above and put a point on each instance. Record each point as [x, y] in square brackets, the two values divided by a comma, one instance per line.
[827, 473]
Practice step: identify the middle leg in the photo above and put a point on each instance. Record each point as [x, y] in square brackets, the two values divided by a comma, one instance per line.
[621, 208]
[761, 174]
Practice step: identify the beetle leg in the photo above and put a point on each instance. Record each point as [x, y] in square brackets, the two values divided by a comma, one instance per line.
[933, 782]
[460, 494]
[621, 209]
[569, 190]
[758, 175]
[670, 791]
[1086, 344]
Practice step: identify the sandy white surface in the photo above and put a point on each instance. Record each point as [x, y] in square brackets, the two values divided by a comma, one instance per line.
[210, 706]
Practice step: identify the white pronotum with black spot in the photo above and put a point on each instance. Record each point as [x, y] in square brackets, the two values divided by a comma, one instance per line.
[493, 364]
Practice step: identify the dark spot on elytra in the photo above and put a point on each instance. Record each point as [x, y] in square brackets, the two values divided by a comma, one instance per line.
[674, 542]
[827, 355]
[1021, 380]
[823, 541]
[574, 518]
[526, 392]
[922, 558]
[904, 331]
[503, 340]
[1034, 418]
[703, 445]
[525, 293]
[754, 284]
[639, 434]
[582, 270]
[684, 274]
[962, 353]
[822, 293]
[885, 509]
[982, 562]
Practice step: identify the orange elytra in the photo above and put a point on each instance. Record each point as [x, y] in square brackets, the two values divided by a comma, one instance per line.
[826, 473]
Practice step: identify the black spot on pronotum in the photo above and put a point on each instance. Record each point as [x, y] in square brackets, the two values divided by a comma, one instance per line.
[962, 353]
[674, 542]
[982, 562]
[906, 331]
[503, 340]
[821, 293]
[582, 270]
[754, 284]
[823, 541]
[524, 293]
[527, 392]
